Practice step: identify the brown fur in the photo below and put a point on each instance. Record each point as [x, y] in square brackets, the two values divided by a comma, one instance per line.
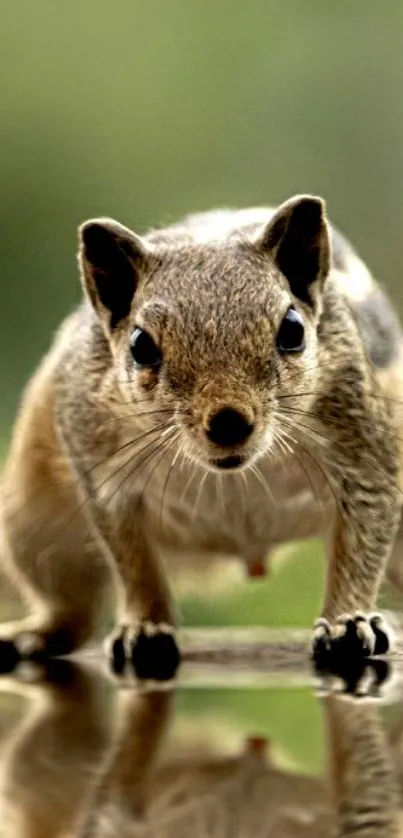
[110, 466]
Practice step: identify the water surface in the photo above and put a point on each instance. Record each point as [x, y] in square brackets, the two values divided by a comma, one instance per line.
[225, 752]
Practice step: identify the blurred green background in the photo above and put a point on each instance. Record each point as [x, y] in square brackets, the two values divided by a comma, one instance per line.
[146, 111]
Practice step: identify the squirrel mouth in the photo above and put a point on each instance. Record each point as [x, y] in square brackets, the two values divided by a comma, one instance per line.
[234, 461]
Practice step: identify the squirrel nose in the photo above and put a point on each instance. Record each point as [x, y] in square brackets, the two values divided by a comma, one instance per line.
[228, 427]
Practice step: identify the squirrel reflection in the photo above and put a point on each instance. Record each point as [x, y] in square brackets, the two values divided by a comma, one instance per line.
[363, 777]
[48, 758]
[86, 762]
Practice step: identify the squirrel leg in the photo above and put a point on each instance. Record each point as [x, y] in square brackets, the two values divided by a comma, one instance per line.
[56, 563]
[145, 634]
[348, 628]
[368, 512]
[394, 570]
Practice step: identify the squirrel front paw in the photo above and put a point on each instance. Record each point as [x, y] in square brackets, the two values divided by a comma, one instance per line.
[150, 647]
[350, 637]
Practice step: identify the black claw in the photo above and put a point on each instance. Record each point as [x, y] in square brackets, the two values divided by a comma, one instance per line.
[9, 656]
[382, 672]
[349, 669]
[350, 644]
[59, 672]
[351, 673]
[320, 655]
[156, 657]
[118, 656]
[321, 646]
[382, 643]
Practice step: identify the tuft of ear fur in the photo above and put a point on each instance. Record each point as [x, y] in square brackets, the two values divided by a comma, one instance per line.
[298, 239]
[110, 258]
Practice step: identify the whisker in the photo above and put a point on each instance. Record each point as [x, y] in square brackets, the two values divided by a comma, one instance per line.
[155, 448]
[320, 393]
[164, 448]
[281, 437]
[199, 494]
[182, 463]
[220, 492]
[134, 415]
[167, 478]
[76, 506]
[144, 434]
[332, 420]
[317, 464]
[122, 466]
[302, 372]
[309, 433]
[192, 467]
[111, 477]
[313, 433]
[280, 443]
[306, 472]
[316, 367]
[244, 492]
[263, 482]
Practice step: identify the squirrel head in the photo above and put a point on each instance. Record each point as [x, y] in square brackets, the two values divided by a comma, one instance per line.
[209, 338]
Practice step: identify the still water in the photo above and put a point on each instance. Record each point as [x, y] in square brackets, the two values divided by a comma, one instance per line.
[223, 753]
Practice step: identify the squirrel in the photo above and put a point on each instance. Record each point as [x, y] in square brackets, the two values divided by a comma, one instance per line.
[228, 383]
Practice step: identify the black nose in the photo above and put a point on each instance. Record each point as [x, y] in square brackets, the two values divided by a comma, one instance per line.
[228, 427]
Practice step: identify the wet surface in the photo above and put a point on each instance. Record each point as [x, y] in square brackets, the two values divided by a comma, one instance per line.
[227, 751]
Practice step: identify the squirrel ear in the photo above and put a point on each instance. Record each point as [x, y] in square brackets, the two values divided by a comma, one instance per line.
[110, 258]
[298, 238]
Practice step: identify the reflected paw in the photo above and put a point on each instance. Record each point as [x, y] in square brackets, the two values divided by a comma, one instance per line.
[362, 678]
[9, 656]
[150, 647]
[17, 646]
[27, 645]
[350, 638]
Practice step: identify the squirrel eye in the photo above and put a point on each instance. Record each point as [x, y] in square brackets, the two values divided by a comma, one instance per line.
[291, 335]
[144, 351]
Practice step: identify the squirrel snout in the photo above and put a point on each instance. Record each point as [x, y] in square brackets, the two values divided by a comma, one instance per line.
[228, 427]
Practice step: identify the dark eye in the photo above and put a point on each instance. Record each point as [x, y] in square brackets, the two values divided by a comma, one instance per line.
[144, 351]
[291, 335]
